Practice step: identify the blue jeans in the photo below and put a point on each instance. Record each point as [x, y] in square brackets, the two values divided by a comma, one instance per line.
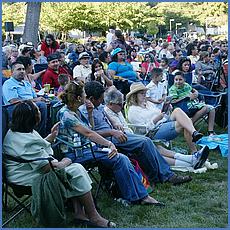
[128, 181]
[145, 152]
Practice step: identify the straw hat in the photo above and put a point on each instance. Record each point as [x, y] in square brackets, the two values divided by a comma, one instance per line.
[134, 88]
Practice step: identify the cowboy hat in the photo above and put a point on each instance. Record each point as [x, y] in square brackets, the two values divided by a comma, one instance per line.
[134, 88]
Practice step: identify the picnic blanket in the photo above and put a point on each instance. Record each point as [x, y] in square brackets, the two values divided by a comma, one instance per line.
[219, 142]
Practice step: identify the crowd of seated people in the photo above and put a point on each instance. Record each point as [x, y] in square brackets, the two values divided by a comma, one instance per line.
[79, 74]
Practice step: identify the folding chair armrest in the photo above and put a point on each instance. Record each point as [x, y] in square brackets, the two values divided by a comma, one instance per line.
[135, 127]
[72, 146]
[21, 160]
[213, 95]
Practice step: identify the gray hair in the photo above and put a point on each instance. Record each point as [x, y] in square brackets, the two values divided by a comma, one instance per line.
[113, 96]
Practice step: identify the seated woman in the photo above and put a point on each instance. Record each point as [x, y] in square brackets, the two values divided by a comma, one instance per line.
[147, 65]
[167, 127]
[114, 103]
[120, 67]
[182, 91]
[196, 78]
[98, 73]
[24, 142]
[72, 122]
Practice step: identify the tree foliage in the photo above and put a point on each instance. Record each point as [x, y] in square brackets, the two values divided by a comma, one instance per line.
[98, 16]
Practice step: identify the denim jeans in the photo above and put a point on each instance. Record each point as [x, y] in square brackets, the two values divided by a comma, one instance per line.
[125, 175]
[145, 152]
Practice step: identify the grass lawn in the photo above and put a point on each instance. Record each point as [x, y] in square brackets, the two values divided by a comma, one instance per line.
[202, 203]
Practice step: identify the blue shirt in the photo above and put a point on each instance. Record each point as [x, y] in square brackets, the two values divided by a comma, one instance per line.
[126, 71]
[22, 90]
[101, 122]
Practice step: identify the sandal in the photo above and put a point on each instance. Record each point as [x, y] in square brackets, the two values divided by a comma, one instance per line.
[177, 180]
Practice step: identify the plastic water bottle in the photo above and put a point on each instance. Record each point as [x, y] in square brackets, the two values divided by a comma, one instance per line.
[76, 140]
[77, 143]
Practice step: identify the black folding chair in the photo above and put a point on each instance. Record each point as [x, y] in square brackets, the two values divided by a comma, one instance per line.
[19, 194]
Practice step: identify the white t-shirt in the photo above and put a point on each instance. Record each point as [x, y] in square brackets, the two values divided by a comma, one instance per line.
[156, 92]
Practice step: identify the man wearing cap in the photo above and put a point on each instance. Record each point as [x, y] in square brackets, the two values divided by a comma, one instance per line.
[83, 71]
[51, 74]
[136, 146]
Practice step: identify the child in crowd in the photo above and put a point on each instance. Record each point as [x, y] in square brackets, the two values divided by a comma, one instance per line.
[157, 90]
[183, 95]
[63, 80]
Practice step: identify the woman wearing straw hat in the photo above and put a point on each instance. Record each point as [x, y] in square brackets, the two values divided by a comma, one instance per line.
[143, 112]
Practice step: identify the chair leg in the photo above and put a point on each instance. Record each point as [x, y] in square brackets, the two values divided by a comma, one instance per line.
[19, 203]
[15, 215]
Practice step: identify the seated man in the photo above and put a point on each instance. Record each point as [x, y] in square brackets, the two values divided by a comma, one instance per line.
[136, 146]
[16, 89]
[114, 101]
[54, 69]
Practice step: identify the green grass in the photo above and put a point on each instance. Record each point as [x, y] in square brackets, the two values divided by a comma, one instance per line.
[202, 203]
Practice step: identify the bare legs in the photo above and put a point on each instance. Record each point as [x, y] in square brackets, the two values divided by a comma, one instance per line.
[211, 117]
[184, 122]
[84, 208]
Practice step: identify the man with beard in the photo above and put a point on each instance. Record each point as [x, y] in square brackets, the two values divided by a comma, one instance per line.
[51, 74]
[17, 89]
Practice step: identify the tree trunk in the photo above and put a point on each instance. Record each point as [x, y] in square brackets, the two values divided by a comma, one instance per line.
[32, 23]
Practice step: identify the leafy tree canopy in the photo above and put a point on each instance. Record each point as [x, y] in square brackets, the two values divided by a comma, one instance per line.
[98, 16]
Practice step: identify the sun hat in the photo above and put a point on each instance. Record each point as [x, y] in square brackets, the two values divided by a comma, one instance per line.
[134, 88]
[116, 51]
[83, 55]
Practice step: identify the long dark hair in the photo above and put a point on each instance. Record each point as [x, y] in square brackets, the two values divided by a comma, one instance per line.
[120, 36]
[181, 61]
[95, 62]
[54, 43]
[25, 117]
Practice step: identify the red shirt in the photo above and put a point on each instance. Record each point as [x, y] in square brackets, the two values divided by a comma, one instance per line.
[169, 38]
[48, 50]
[51, 77]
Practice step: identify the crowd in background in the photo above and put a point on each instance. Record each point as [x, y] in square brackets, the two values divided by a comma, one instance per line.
[144, 75]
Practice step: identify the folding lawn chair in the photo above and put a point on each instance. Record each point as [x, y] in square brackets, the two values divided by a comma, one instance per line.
[20, 195]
